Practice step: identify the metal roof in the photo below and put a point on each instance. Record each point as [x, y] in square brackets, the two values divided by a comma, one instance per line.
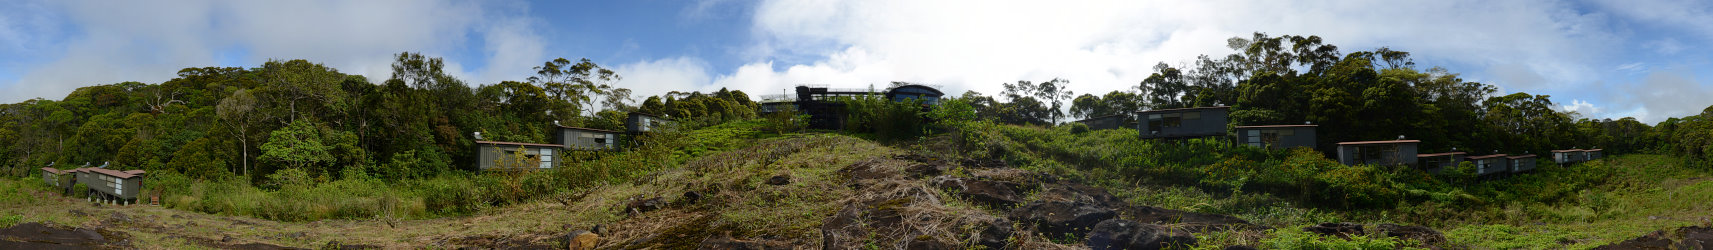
[1522, 156]
[1485, 156]
[1439, 154]
[1567, 150]
[591, 129]
[520, 144]
[114, 173]
[1279, 126]
[1379, 142]
[53, 170]
[1098, 117]
[1182, 109]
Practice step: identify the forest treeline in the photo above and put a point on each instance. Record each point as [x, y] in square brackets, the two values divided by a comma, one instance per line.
[216, 122]
[1357, 96]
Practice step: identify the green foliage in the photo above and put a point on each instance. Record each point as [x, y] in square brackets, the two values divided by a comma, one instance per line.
[1294, 238]
[297, 146]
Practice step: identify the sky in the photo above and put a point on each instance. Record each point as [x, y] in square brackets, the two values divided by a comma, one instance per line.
[1646, 59]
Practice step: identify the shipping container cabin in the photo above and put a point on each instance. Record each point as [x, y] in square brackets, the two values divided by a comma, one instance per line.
[1490, 164]
[1386, 153]
[637, 123]
[1567, 156]
[1435, 163]
[1592, 154]
[1182, 123]
[1522, 163]
[587, 139]
[504, 156]
[111, 186]
[59, 179]
[1107, 122]
[1277, 136]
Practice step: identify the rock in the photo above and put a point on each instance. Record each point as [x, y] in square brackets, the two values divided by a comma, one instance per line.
[929, 243]
[226, 239]
[582, 240]
[924, 170]
[1342, 229]
[1696, 238]
[1059, 219]
[1655, 240]
[691, 197]
[1075, 192]
[995, 194]
[727, 242]
[865, 173]
[779, 180]
[1424, 235]
[995, 234]
[645, 205]
[1192, 221]
[1126, 234]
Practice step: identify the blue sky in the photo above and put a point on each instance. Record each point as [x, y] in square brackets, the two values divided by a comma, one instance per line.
[1602, 58]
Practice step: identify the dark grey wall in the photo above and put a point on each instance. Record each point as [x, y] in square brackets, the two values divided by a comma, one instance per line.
[1209, 122]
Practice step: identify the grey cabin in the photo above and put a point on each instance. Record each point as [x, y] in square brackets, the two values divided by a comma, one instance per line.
[1591, 154]
[1522, 163]
[494, 155]
[1277, 136]
[1182, 123]
[111, 186]
[637, 123]
[1107, 122]
[58, 179]
[1567, 156]
[1490, 164]
[1435, 163]
[1387, 153]
[587, 139]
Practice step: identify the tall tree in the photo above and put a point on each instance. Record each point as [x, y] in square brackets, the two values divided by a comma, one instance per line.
[235, 112]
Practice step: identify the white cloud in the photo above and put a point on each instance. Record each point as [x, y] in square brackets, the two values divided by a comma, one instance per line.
[1110, 45]
[1581, 107]
[151, 41]
[649, 78]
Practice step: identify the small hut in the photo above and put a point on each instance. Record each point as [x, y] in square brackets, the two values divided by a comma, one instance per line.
[1107, 122]
[1592, 154]
[1490, 164]
[1277, 136]
[1522, 163]
[1388, 153]
[490, 155]
[1182, 123]
[112, 186]
[587, 139]
[1435, 163]
[1567, 156]
[58, 178]
[637, 123]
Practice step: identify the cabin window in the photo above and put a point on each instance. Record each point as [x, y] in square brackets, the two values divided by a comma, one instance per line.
[1253, 137]
[1172, 120]
[1270, 137]
[1155, 123]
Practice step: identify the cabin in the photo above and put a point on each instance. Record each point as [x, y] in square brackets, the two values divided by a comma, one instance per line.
[111, 186]
[587, 139]
[637, 123]
[1277, 136]
[1522, 163]
[1182, 123]
[1107, 122]
[502, 156]
[824, 109]
[1438, 162]
[1591, 154]
[1567, 156]
[60, 179]
[1386, 153]
[1491, 164]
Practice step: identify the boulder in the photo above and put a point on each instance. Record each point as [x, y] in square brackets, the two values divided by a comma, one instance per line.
[995, 234]
[690, 197]
[1425, 235]
[929, 243]
[1696, 238]
[644, 205]
[582, 240]
[1655, 240]
[1342, 229]
[1060, 219]
[779, 180]
[1126, 234]
[925, 170]
[995, 194]
[1055, 190]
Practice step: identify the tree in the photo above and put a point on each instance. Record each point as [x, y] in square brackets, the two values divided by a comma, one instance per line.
[577, 84]
[298, 146]
[1056, 92]
[234, 111]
